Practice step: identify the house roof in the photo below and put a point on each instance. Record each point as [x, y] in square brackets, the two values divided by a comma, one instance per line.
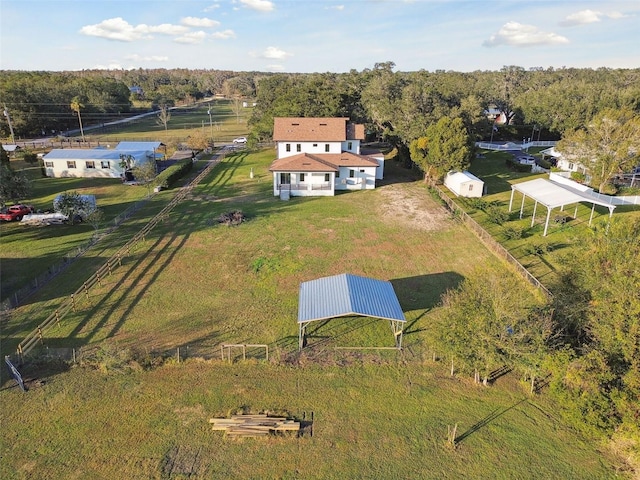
[90, 154]
[321, 162]
[304, 162]
[139, 145]
[462, 177]
[316, 129]
[346, 295]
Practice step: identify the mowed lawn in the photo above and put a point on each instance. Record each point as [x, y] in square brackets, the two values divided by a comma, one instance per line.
[194, 285]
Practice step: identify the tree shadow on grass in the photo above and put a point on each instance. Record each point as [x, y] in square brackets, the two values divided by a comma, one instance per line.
[487, 420]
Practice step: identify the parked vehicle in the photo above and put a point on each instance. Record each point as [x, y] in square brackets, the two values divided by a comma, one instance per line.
[240, 140]
[15, 212]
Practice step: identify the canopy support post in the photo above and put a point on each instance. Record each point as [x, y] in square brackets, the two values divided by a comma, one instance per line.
[522, 205]
[511, 200]
[546, 223]
[593, 207]
[533, 218]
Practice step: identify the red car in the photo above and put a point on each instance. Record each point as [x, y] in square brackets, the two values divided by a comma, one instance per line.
[15, 212]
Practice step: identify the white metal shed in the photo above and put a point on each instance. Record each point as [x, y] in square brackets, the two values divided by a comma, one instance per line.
[464, 184]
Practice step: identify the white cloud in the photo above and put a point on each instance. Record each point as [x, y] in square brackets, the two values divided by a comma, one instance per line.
[211, 7]
[191, 38]
[275, 68]
[111, 66]
[335, 7]
[148, 58]
[199, 22]
[121, 30]
[275, 53]
[518, 35]
[586, 17]
[581, 18]
[224, 35]
[260, 5]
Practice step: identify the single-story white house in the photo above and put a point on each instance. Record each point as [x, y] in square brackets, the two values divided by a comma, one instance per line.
[317, 156]
[99, 162]
[464, 184]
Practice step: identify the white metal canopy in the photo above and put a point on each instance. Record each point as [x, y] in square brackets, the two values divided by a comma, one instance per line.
[349, 295]
[552, 195]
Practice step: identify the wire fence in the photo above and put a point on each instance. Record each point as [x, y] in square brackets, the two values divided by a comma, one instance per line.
[490, 242]
[19, 296]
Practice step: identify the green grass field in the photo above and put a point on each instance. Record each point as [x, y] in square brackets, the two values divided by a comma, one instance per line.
[194, 285]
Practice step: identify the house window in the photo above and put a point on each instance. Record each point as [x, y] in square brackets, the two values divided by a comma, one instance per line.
[104, 164]
[288, 147]
[349, 145]
[338, 174]
[315, 144]
[571, 166]
[301, 177]
[326, 147]
[470, 186]
[285, 178]
[90, 164]
[361, 170]
[48, 164]
[327, 177]
[298, 147]
[71, 164]
[352, 173]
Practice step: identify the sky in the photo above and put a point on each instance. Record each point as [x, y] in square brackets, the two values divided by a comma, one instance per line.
[318, 35]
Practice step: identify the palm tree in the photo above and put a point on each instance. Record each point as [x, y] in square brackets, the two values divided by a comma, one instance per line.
[76, 106]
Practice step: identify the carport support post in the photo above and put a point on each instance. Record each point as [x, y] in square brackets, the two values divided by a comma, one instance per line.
[546, 223]
[533, 218]
[593, 206]
[301, 330]
[522, 205]
[511, 199]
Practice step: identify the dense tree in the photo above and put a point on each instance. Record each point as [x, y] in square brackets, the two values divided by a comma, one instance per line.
[73, 205]
[445, 146]
[598, 380]
[488, 322]
[608, 145]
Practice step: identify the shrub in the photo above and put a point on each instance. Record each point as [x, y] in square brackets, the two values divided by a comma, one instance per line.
[513, 233]
[578, 177]
[496, 215]
[629, 191]
[175, 172]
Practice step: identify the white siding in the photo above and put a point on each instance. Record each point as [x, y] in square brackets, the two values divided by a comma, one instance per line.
[307, 147]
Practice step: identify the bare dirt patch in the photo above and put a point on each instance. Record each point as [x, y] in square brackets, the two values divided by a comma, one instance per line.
[409, 204]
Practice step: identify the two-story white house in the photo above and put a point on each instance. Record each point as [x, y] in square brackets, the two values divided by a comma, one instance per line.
[317, 156]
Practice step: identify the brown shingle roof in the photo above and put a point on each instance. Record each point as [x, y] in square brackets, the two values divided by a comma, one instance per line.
[303, 162]
[326, 162]
[316, 129]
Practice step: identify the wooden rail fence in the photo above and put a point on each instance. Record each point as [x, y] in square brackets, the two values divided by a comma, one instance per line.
[37, 335]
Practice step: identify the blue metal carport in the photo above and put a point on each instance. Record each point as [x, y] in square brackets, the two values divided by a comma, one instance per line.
[348, 295]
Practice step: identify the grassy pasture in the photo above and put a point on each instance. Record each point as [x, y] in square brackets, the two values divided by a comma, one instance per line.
[195, 284]
[224, 125]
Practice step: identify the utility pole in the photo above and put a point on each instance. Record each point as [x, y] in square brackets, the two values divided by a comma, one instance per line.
[6, 114]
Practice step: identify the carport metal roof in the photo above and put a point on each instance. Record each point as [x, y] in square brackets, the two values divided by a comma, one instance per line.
[349, 295]
[552, 195]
